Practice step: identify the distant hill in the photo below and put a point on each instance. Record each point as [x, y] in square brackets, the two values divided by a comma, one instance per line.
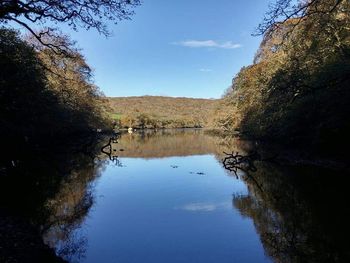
[161, 112]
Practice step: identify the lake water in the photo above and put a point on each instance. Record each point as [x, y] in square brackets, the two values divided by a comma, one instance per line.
[165, 197]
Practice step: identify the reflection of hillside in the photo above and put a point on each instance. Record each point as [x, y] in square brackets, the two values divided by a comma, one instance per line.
[301, 215]
[166, 143]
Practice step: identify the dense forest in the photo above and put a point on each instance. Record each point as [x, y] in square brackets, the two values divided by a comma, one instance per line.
[162, 112]
[46, 93]
[297, 90]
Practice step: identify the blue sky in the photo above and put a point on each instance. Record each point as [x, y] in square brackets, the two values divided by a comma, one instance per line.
[182, 48]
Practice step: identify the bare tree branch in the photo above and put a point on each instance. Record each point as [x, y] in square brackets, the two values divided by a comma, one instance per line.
[75, 13]
[284, 10]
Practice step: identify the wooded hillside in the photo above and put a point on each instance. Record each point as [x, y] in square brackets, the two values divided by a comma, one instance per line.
[161, 112]
[297, 90]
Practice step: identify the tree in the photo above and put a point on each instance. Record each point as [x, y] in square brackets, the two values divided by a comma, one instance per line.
[296, 92]
[85, 13]
[42, 92]
[296, 11]
[22, 85]
[70, 79]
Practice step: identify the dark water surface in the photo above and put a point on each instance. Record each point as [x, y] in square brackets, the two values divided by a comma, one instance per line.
[167, 198]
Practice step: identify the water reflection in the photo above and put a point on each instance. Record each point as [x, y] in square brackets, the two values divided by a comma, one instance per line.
[68, 209]
[47, 191]
[169, 199]
[300, 213]
[181, 142]
[168, 195]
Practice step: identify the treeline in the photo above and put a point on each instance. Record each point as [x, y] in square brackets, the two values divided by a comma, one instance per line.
[161, 112]
[297, 90]
[44, 91]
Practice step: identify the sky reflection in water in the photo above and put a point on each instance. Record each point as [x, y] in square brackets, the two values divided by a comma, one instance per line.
[160, 207]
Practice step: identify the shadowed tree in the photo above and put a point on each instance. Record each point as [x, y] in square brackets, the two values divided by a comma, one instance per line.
[42, 92]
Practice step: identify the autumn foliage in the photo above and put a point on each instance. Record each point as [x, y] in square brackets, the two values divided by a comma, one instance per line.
[44, 93]
[162, 112]
[297, 91]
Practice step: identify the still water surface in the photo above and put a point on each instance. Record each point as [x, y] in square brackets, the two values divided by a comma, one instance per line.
[167, 198]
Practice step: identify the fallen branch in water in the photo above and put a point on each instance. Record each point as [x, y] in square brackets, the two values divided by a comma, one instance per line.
[235, 161]
[109, 152]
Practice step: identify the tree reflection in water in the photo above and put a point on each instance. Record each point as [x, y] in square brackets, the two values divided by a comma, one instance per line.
[301, 214]
[50, 187]
[70, 205]
[67, 210]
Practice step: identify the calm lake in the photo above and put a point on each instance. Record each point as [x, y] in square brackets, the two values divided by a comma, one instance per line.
[165, 197]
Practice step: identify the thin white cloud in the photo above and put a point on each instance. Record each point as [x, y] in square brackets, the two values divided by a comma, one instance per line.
[203, 207]
[208, 44]
[205, 70]
[199, 207]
